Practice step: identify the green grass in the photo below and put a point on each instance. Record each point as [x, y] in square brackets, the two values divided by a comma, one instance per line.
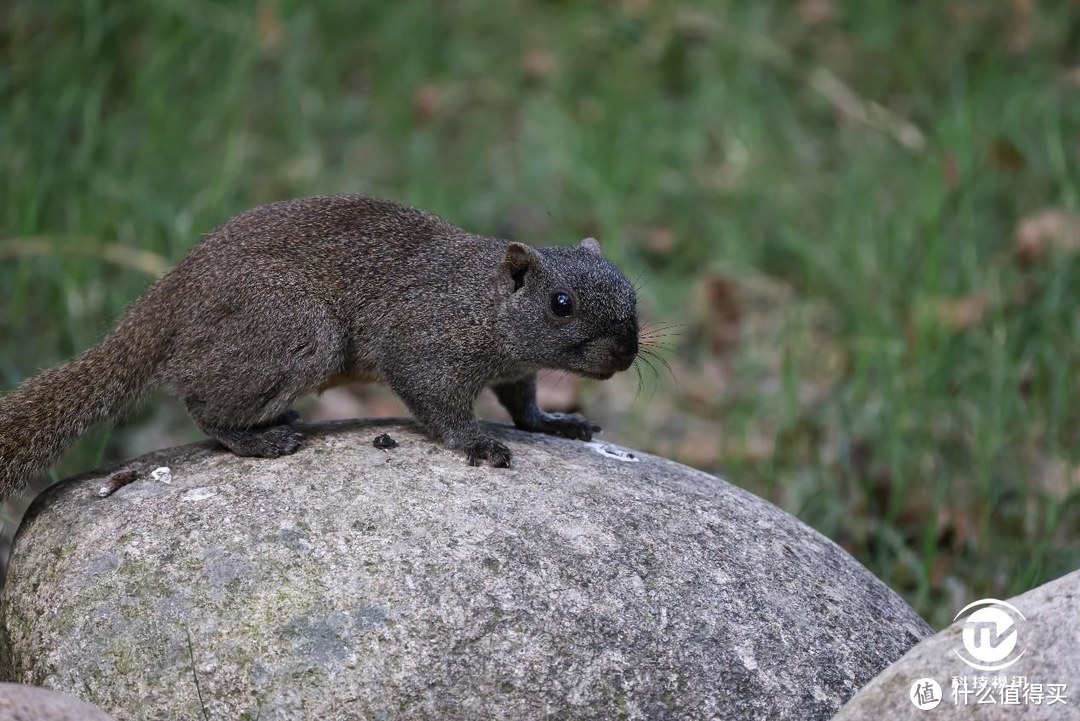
[941, 452]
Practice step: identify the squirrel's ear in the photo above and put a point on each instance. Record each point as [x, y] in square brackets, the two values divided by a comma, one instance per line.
[592, 245]
[519, 259]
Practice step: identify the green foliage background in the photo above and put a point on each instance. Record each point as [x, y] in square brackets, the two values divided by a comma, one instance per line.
[843, 183]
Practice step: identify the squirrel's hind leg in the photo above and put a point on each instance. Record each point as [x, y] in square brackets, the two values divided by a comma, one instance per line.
[269, 440]
[265, 442]
[239, 392]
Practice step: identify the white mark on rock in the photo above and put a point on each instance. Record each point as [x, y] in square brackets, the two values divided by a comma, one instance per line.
[746, 655]
[162, 474]
[610, 451]
[198, 494]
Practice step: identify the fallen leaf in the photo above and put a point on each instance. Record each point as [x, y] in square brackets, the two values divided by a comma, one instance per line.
[960, 314]
[721, 312]
[1046, 230]
[636, 7]
[660, 240]
[1056, 478]
[815, 12]
[1020, 33]
[268, 27]
[950, 171]
[696, 25]
[1026, 386]
[1070, 77]
[538, 64]
[968, 12]
[1004, 155]
[427, 100]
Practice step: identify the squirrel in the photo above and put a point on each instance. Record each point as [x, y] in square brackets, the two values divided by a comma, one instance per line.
[301, 295]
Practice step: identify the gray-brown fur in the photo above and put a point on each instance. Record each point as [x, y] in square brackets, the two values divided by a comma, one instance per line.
[299, 295]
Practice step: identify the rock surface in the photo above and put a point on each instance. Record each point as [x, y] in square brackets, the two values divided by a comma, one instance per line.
[1049, 639]
[350, 582]
[27, 703]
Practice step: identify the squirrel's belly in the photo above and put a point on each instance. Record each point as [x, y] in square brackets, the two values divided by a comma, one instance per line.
[358, 376]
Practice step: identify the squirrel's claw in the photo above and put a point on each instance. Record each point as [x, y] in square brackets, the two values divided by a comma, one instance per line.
[567, 425]
[490, 450]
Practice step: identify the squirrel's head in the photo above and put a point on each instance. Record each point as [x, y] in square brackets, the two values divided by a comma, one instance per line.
[568, 308]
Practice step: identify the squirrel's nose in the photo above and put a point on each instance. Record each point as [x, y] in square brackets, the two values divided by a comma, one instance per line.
[625, 350]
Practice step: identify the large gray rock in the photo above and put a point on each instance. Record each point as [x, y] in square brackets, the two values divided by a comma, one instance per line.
[350, 582]
[1048, 638]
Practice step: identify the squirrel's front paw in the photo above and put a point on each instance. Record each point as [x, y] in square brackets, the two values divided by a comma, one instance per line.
[567, 425]
[488, 449]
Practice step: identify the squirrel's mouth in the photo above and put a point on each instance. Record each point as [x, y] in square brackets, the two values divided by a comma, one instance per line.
[602, 376]
[613, 356]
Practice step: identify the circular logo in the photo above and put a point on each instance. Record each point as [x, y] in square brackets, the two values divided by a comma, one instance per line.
[989, 635]
[925, 694]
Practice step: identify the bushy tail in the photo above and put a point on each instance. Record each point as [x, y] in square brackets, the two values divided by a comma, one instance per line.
[47, 413]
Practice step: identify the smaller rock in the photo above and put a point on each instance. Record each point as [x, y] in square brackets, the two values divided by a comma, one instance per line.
[1045, 668]
[29, 703]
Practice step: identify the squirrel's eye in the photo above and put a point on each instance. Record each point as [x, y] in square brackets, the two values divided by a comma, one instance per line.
[562, 304]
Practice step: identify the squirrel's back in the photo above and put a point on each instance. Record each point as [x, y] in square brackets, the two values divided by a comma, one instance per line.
[331, 225]
[339, 246]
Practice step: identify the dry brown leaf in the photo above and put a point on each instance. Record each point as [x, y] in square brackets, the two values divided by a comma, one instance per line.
[660, 240]
[427, 100]
[1070, 77]
[538, 64]
[867, 112]
[950, 170]
[955, 529]
[941, 568]
[1004, 155]
[268, 27]
[1020, 32]
[636, 7]
[960, 314]
[1057, 478]
[815, 12]
[696, 25]
[1046, 230]
[721, 312]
